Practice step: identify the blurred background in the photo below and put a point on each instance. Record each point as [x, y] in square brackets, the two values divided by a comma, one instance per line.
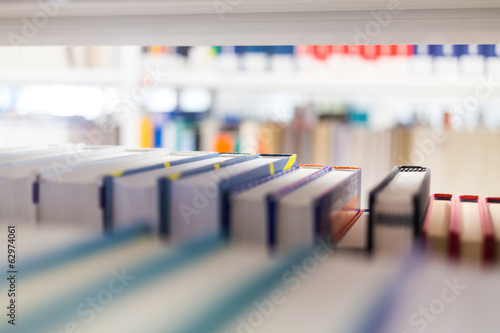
[373, 106]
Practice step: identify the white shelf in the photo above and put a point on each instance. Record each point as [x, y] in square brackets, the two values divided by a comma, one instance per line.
[84, 76]
[252, 22]
[340, 86]
[363, 85]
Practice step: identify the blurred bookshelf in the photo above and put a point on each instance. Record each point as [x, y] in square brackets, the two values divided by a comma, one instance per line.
[257, 99]
[270, 77]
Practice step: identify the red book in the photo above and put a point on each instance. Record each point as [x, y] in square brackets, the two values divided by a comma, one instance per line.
[457, 236]
[488, 231]
[352, 49]
[404, 50]
[396, 50]
[338, 49]
[370, 52]
[387, 50]
[322, 52]
[305, 50]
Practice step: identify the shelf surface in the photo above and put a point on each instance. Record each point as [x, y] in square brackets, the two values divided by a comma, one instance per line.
[85, 76]
[248, 22]
[340, 85]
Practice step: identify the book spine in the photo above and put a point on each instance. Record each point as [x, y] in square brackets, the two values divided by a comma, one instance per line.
[337, 207]
[107, 203]
[272, 213]
[421, 201]
[164, 190]
[371, 204]
[272, 200]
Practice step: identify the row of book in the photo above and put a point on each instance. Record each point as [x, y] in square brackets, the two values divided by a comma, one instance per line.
[323, 52]
[180, 195]
[349, 59]
[263, 199]
[465, 227]
[417, 59]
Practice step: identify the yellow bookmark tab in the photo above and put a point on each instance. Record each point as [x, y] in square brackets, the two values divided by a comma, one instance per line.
[167, 164]
[117, 173]
[271, 169]
[216, 166]
[290, 162]
[175, 176]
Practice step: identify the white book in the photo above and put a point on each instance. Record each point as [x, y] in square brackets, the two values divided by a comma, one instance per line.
[198, 204]
[18, 183]
[249, 206]
[320, 208]
[135, 197]
[436, 228]
[397, 209]
[78, 196]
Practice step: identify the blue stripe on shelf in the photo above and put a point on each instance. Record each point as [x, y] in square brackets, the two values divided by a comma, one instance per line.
[235, 301]
[63, 309]
[69, 254]
[377, 317]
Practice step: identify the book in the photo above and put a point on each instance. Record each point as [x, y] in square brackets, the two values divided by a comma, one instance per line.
[19, 181]
[492, 208]
[435, 231]
[471, 233]
[78, 197]
[397, 209]
[133, 197]
[249, 215]
[320, 208]
[198, 204]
